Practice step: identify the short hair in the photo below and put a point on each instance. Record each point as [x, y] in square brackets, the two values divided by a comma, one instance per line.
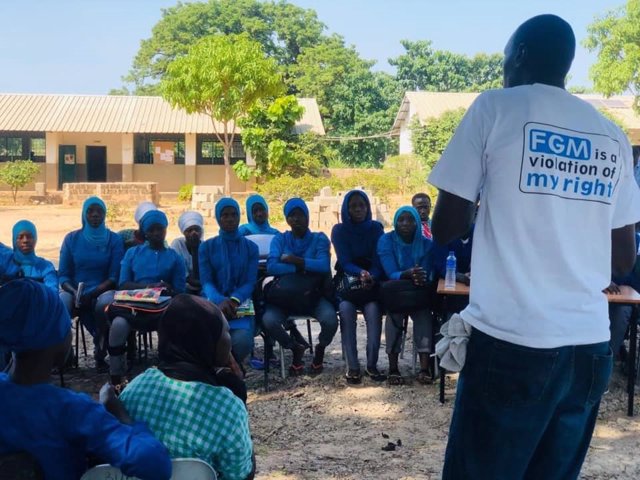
[550, 42]
[421, 195]
[636, 152]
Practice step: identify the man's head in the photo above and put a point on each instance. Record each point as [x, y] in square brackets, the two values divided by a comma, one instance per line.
[422, 203]
[636, 154]
[539, 51]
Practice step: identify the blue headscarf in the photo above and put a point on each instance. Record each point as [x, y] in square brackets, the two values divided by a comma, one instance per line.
[293, 245]
[252, 226]
[19, 257]
[153, 217]
[32, 316]
[98, 236]
[358, 228]
[225, 237]
[417, 244]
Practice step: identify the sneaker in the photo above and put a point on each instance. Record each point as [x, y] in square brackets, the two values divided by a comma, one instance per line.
[375, 375]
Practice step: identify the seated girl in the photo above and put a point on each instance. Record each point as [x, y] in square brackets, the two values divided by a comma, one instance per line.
[133, 237]
[91, 256]
[149, 265]
[55, 425]
[228, 272]
[257, 217]
[303, 252]
[191, 225]
[29, 265]
[355, 241]
[405, 254]
[191, 401]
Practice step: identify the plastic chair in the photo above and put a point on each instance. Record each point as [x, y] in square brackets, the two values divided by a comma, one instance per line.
[263, 241]
[20, 466]
[183, 469]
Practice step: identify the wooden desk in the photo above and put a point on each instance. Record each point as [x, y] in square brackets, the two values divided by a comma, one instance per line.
[628, 296]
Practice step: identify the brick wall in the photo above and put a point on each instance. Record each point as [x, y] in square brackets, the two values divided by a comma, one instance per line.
[120, 192]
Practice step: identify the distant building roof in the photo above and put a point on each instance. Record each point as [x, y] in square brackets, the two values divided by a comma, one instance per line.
[116, 114]
[433, 104]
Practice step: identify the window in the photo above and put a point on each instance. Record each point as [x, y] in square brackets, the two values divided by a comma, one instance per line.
[211, 151]
[22, 146]
[159, 149]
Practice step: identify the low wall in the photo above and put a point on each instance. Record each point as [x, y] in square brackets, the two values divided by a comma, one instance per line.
[116, 192]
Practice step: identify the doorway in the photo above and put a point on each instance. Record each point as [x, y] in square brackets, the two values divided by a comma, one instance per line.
[96, 164]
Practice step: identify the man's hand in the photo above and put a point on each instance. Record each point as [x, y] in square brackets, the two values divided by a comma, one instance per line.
[229, 308]
[612, 289]
[463, 278]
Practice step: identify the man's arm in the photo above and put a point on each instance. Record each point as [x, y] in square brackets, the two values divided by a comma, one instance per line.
[452, 217]
[623, 250]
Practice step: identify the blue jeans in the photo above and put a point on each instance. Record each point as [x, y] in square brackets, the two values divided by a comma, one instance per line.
[525, 413]
[348, 328]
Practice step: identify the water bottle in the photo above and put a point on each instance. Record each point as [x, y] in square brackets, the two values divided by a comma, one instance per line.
[450, 277]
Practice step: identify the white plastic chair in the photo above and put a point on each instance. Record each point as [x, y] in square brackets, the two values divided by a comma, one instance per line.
[263, 241]
[183, 469]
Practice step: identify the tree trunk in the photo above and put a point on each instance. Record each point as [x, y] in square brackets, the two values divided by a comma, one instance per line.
[227, 169]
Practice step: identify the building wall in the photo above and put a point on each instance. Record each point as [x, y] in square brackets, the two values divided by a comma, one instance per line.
[214, 175]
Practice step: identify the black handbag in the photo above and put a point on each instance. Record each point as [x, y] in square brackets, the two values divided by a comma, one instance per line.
[350, 288]
[143, 316]
[296, 293]
[403, 296]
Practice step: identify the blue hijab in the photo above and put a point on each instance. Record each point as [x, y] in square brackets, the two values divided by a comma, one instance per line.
[363, 227]
[229, 282]
[32, 316]
[296, 246]
[252, 226]
[98, 236]
[19, 257]
[417, 244]
[153, 217]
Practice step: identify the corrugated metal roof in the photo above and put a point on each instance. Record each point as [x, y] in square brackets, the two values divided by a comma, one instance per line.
[433, 104]
[116, 114]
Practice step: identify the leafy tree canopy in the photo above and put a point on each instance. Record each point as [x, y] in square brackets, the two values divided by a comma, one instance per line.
[616, 38]
[18, 174]
[430, 140]
[423, 68]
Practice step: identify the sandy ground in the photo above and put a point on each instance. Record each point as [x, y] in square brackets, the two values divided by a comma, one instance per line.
[317, 427]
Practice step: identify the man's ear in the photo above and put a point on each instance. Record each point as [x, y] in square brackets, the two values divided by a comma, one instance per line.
[521, 56]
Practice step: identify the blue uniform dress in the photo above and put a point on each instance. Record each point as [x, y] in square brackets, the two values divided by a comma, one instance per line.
[314, 248]
[229, 270]
[397, 256]
[355, 245]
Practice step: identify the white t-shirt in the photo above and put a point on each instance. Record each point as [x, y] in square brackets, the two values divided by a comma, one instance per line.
[554, 178]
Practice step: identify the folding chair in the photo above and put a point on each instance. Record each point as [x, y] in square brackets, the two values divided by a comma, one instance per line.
[183, 468]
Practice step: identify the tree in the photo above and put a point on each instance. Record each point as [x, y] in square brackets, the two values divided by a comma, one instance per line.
[616, 38]
[408, 171]
[423, 68]
[430, 140]
[283, 30]
[223, 76]
[17, 174]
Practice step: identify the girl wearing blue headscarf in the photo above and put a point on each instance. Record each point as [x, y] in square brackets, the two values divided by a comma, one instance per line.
[91, 256]
[149, 265]
[297, 251]
[228, 273]
[29, 265]
[406, 254]
[257, 217]
[355, 241]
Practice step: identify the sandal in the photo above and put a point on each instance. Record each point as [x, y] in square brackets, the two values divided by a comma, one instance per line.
[424, 377]
[375, 375]
[394, 378]
[315, 369]
[353, 377]
[296, 370]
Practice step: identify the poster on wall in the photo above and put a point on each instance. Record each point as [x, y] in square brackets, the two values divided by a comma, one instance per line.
[69, 159]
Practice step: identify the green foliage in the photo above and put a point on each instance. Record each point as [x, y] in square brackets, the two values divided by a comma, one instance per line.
[223, 76]
[185, 192]
[17, 174]
[423, 68]
[282, 188]
[409, 172]
[614, 119]
[579, 89]
[616, 39]
[430, 140]
[281, 28]
[116, 212]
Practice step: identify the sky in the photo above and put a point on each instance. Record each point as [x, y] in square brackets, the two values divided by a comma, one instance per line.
[86, 46]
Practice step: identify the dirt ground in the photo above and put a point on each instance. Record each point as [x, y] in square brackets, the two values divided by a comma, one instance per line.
[317, 427]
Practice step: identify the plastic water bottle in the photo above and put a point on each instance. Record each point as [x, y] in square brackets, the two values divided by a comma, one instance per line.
[450, 277]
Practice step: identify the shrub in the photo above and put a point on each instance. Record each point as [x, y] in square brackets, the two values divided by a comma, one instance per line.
[282, 188]
[17, 174]
[185, 193]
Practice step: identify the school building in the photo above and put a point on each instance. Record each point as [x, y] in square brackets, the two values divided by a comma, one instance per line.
[109, 138]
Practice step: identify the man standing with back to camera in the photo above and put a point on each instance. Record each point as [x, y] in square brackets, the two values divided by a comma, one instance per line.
[557, 206]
